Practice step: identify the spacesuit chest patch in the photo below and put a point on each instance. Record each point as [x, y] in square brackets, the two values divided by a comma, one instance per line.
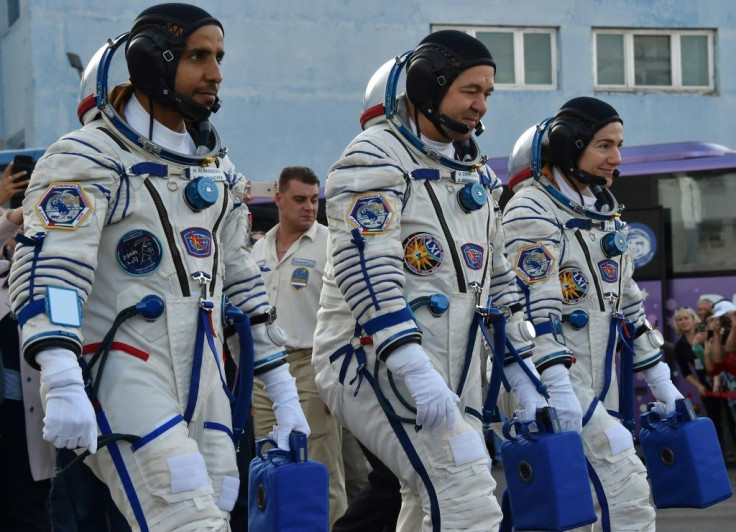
[609, 270]
[574, 285]
[371, 213]
[139, 252]
[473, 255]
[533, 263]
[299, 278]
[63, 206]
[198, 241]
[423, 253]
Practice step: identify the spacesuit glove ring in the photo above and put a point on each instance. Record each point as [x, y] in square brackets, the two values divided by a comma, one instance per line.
[281, 389]
[528, 399]
[70, 418]
[660, 383]
[434, 401]
[562, 396]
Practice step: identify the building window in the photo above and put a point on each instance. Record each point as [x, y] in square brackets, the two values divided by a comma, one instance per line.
[526, 58]
[654, 60]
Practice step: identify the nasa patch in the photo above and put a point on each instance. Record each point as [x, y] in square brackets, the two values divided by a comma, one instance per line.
[574, 285]
[198, 241]
[533, 263]
[139, 252]
[609, 270]
[423, 253]
[299, 278]
[371, 213]
[473, 255]
[642, 244]
[63, 206]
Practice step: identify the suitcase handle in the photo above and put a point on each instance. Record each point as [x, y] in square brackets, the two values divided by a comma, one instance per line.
[297, 448]
[683, 413]
[546, 422]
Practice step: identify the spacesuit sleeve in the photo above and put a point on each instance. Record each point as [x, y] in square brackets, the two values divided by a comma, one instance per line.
[244, 285]
[647, 342]
[365, 192]
[74, 189]
[534, 247]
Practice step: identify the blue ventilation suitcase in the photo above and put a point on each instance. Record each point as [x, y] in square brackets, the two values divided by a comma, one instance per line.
[683, 459]
[287, 492]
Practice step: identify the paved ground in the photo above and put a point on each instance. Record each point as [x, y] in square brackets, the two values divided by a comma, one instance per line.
[720, 517]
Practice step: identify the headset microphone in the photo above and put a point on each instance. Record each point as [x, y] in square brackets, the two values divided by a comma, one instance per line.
[616, 173]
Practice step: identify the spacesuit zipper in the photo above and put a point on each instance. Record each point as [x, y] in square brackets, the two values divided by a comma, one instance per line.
[214, 244]
[181, 274]
[448, 236]
[586, 252]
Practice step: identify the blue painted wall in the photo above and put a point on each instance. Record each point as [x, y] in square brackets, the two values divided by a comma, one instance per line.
[295, 70]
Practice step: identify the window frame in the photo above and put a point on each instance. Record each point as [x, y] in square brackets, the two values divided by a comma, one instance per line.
[518, 33]
[675, 36]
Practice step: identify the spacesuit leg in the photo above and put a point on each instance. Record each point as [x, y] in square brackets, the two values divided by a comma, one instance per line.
[163, 480]
[610, 449]
[446, 473]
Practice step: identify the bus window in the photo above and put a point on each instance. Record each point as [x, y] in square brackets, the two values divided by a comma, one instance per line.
[702, 219]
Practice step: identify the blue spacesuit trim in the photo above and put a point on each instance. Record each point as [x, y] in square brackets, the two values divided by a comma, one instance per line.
[357, 152]
[385, 321]
[269, 359]
[601, 496]
[156, 432]
[430, 174]
[353, 166]
[384, 301]
[589, 412]
[551, 356]
[645, 364]
[150, 168]
[473, 412]
[218, 426]
[127, 482]
[524, 218]
[51, 334]
[613, 331]
[114, 167]
[392, 339]
[376, 146]
[57, 278]
[82, 142]
[31, 310]
[196, 366]
[411, 453]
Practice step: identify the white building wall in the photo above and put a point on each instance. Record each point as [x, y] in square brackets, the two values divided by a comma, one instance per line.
[295, 70]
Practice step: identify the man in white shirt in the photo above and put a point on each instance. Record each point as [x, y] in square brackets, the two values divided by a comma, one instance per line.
[292, 258]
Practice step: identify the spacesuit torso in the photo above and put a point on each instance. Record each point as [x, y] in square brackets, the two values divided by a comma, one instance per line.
[577, 277]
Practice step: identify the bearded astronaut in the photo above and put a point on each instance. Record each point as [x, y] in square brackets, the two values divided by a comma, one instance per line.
[415, 250]
[134, 254]
[567, 244]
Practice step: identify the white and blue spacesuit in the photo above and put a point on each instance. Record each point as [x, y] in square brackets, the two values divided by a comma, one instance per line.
[567, 244]
[131, 250]
[415, 250]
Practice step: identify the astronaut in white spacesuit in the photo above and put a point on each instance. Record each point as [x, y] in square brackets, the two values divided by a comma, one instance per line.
[415, 250]
[567, 244]
[135, 248]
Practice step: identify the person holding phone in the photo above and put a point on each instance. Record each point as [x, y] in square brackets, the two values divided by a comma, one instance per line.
[13, 182]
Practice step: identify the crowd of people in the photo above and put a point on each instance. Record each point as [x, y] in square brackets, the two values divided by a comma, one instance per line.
[705, 354]
[368, 333]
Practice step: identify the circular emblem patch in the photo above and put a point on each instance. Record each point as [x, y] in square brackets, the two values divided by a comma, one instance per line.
[574, 285]
[423, 253]
[642, 244]
[139, 252]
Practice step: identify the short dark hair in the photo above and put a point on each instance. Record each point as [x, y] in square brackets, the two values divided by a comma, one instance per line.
[299, 173]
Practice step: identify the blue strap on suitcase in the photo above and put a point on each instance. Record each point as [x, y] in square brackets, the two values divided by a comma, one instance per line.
[287, 492]
[545, 468]
[683, 459]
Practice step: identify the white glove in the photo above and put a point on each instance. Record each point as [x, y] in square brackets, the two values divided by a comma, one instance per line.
[435, 402]
[659, 381]
[70, 418]
[281, 389]
[528, 399]
[563, 398]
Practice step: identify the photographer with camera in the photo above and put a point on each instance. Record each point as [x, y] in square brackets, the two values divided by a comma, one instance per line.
[12, 183]
[721, 339]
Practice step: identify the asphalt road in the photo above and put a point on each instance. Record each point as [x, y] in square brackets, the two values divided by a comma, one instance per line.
[719, 517]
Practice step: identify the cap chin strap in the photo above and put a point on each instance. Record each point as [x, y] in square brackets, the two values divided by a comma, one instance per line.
[585, 177]
[189, 108]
